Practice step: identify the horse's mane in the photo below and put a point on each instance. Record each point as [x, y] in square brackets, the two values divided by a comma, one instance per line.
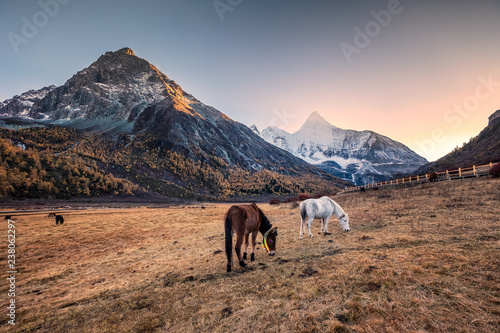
[335, 205]
[328, 198]
[265, 225]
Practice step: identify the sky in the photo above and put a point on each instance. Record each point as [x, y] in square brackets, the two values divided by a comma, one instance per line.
[423, 72]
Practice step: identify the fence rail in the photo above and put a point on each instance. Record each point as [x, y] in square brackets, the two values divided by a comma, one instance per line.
[473, 171]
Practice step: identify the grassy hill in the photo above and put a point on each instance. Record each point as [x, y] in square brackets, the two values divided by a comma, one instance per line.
[26, 172]
[416, 259]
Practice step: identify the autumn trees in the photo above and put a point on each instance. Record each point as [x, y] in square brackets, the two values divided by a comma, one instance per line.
[58, 162]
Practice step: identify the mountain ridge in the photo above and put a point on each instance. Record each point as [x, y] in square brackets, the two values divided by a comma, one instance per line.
[20, 105]
[133, 114]
[358, 156]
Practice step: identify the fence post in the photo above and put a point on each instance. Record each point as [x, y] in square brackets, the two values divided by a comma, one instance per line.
[474, 170]
[447, 174]
[460, 172]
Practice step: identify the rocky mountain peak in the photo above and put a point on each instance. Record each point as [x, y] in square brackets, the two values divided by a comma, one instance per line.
[118, 86]
[494, 116]
[126, 50]
[255, 129]
[20, 105]
[124, 62]
[316, 120]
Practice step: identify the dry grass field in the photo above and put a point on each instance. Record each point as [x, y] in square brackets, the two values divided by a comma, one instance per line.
[421, 259]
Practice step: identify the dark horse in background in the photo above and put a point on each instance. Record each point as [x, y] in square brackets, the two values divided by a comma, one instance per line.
[59, 219]
[245, 220]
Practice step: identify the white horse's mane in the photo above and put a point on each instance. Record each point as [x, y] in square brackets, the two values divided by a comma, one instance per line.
[335, 206]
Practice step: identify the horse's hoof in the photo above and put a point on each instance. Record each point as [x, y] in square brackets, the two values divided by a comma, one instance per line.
[242, 264]
[244, 256]
[252, 257]
[228, 269]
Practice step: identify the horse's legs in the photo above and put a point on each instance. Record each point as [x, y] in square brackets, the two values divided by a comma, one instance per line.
[327, 220]
[322, 225]
[237, 247]
[252, 245]
[246, 247]
[301, 228]
[254, 239]
[309, 222]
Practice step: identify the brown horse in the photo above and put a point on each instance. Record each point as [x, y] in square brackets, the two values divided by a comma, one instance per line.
[245, 220]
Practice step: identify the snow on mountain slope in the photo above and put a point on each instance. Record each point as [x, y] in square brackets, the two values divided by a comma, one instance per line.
[121, 98]
[359, 156]
[20, 105]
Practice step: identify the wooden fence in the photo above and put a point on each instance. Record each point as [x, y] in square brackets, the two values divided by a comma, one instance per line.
[473, 171]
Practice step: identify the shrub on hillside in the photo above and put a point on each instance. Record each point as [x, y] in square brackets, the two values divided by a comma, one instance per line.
[291, 199]
[304, 197]
[274, 202]
[495, 170]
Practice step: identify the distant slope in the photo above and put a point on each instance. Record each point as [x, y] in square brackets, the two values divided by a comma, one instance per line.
[481, 149]
[25, 172]
[19, 106]
[358, 156]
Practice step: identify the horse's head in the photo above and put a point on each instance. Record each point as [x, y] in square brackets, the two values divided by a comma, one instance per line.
[270, 240]
[344, 222]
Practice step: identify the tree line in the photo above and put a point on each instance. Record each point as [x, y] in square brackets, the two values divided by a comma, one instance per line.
[29, 173]
[61, 163]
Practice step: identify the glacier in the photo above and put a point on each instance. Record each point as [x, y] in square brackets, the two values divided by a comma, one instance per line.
[362, 157]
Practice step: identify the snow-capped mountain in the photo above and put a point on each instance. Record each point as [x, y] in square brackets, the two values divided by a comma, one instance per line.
[358, 156]
[20, 105]
[134, 110]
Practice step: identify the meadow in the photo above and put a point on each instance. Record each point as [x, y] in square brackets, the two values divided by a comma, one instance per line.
[420, 259]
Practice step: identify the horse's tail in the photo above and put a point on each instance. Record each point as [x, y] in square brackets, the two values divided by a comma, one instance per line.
[229, 241]
[303, 211]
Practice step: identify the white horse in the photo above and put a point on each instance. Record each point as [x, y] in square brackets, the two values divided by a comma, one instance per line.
[322, 208]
